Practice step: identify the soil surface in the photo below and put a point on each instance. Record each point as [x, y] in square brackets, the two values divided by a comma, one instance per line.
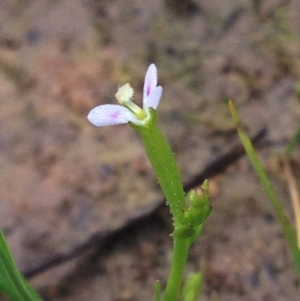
[80, 205]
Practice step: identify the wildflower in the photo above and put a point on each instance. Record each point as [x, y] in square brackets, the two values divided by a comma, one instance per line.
[128, 111]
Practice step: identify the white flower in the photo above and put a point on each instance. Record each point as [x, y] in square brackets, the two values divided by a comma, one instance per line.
[128, 111]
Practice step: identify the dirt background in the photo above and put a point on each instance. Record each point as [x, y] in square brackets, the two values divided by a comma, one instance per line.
[82, 198]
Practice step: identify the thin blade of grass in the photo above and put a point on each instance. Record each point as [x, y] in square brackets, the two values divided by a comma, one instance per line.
[293, 142]
[288, 230]
[12, 283]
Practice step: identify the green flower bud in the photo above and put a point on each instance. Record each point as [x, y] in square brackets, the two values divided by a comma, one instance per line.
[199, 197]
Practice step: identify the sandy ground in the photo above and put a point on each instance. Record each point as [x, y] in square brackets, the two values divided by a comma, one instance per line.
[68, 188]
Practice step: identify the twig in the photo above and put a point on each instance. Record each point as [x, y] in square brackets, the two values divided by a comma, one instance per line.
[294, 196]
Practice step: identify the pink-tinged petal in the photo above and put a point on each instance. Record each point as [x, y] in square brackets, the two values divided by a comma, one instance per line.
[150, 80]
[153, 99]
[110, 115]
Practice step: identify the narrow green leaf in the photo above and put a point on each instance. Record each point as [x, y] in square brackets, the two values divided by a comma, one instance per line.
[293, 142]
[288, 230]
[6, 285]
[12, 283]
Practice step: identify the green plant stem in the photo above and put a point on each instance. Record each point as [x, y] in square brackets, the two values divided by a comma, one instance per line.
[157, 291]
[179, 259]
[164, 165]
[166, 170]
[288, 230]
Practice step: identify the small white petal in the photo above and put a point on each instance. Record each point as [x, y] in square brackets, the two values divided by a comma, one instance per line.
[153, 99]
[110, 115]
[150, 80]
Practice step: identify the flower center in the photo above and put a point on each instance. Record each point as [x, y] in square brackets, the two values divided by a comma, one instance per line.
[124, 97]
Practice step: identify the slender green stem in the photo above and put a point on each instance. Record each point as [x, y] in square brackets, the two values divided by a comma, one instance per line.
[179, 259]
[288, 230]
[166, 169]
[157, 291]
[164, 165]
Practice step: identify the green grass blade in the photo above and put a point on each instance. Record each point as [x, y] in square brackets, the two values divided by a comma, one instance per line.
[288, 230]
[12, 283]
[293, 142]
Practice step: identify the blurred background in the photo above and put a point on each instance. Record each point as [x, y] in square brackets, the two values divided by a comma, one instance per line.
[80, 206]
